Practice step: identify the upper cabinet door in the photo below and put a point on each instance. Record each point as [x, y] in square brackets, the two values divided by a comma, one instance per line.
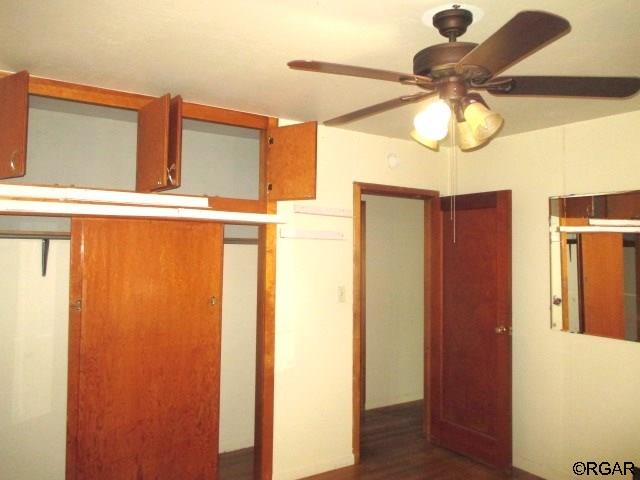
[174, 167]
[14, 115]
[159, 145]
[291, 162]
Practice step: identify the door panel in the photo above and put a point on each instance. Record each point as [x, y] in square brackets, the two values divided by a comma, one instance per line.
[291, 162]
[14, 114]
[602, 285]
[174, 162]
[153, 145]
[471, 360]
[144, 365]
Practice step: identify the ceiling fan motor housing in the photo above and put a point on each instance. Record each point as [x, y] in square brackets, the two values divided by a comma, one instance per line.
[441, 61]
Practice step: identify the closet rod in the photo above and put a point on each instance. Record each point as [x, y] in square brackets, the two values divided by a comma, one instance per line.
[46, 237]
[17, 235]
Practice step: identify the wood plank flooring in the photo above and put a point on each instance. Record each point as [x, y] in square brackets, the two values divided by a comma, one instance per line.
[393, 448]
[236, 465]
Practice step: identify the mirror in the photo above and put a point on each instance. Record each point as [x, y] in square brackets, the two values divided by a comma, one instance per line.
[595, 264]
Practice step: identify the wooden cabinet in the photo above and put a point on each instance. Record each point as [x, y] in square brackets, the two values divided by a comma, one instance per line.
[285, 157]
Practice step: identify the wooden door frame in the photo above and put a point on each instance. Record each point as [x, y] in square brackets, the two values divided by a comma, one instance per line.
[432, 279]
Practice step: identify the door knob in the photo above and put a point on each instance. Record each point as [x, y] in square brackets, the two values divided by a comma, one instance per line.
[502, 330]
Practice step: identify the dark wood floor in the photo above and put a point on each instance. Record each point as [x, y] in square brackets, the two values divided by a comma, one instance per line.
[237, 465]
[392, 448]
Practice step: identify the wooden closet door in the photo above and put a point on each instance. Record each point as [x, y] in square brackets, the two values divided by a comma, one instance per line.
[144, 350]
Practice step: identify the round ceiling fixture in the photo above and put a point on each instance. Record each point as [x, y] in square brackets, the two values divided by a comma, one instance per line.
[427, 17]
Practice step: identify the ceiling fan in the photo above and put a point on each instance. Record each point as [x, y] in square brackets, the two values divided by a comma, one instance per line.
[451, 73]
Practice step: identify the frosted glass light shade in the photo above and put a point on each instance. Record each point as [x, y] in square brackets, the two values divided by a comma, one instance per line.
[483, 122]
[466, 138]
[433, 121]
[422, 140]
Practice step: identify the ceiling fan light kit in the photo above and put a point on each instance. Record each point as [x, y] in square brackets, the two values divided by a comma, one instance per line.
[450, 74]
[433, 121]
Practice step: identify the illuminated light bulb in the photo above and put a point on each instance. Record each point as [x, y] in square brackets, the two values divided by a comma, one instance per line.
[483, 122]
[433, 121]
[466, 138]
[422, 140]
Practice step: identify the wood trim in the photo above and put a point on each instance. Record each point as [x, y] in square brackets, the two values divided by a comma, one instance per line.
[263, 194]
[638, 285]
[432, 302]
[237, 205]
[357, 314]
[207, 113]
[75, 317]
[363, 306]
[394, 191]
[46, 87]
[265, 354]
[265, 335]
[433, 285]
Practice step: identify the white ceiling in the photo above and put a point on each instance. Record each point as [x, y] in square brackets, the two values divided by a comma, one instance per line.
[234, 53]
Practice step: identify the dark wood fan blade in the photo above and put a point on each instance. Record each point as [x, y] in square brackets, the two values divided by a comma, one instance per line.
[522, 35]
[364, 72]
[379, 108]
[606, 87]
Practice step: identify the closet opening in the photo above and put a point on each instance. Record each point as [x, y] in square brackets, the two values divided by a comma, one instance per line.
[238, 365]
[38, 347]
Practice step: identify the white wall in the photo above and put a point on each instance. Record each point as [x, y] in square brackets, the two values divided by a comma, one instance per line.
[394, 300]
[313, 378]
[575, 397]
[33, 360]
[238, 369]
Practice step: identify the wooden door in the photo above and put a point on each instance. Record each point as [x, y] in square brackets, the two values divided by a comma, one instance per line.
[144, 349]
[291, 162]
[471, 342]
[602, 286]
[159, 145]
[14, 114]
